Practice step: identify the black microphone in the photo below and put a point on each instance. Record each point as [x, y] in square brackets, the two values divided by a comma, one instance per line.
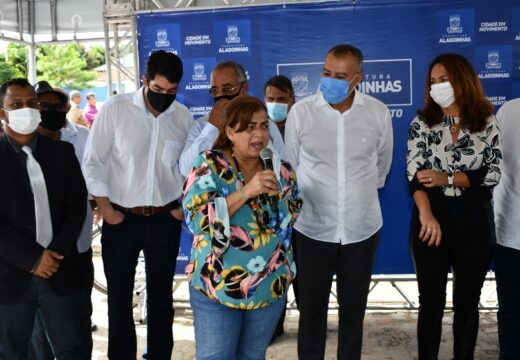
[266, 155]
[267, 158]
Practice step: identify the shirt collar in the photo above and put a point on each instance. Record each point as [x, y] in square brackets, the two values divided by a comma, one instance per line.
[18, 147]
[138, 100]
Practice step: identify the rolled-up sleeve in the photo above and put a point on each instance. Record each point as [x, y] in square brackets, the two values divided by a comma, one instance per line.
[292, 140]
[97, 152]
[384, 151]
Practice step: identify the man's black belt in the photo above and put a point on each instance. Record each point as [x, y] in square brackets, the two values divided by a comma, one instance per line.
[147, 210]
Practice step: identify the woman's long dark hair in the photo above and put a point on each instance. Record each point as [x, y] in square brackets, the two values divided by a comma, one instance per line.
[239, 112]
[475, 108]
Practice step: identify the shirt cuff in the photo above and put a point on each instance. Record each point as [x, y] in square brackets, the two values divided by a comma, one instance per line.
[98, 189]
[381, 182]
[37, 262]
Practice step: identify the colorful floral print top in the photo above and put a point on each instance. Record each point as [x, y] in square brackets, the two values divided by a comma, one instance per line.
[245, 261]
[476, 154]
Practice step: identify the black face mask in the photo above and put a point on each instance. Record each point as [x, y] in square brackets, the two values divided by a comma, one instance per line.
[53, 120]
[160, 102]
[228, 97]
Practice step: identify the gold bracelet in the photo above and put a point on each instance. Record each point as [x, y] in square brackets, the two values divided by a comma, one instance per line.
[242, 194]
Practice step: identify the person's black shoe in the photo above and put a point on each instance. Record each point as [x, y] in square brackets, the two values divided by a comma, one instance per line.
[93, 327]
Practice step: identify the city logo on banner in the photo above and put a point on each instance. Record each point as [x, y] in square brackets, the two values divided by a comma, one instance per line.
[167, 38]
[233, 36]
[198, 72]
[162, 38]
[494, 62]
[199, 78]
[232, 32]
[300, 83]
[455, 26]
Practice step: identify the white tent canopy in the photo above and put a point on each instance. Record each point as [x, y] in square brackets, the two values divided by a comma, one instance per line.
[37, 21]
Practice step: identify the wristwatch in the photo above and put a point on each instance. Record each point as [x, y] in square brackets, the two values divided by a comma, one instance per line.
[450, 179]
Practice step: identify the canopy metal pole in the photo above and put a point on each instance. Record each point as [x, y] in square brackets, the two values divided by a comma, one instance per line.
[116, 57]
[31, 68]
[31, 76]
[136, 57]
[107, 58]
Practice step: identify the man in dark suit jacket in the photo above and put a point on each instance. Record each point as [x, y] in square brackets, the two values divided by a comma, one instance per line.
[34, 278]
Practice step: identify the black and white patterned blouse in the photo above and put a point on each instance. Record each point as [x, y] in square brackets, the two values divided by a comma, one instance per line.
[476, 154]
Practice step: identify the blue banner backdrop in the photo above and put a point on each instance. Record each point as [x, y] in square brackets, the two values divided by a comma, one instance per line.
[398, 40]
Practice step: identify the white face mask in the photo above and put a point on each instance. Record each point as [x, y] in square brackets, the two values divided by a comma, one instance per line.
[443, 94]
[23, 121]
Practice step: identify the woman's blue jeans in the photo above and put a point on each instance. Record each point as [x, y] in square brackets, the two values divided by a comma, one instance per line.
[223, 333]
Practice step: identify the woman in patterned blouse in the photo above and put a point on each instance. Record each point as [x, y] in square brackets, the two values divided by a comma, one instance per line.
[453, 161]
[241, 261]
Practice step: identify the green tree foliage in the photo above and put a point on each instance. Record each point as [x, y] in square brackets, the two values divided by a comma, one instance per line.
[7, 71]
[63, 66]
[95, 56]
[17, 55]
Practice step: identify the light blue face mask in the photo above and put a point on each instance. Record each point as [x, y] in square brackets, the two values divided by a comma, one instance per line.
[277, 111]
[334, 90]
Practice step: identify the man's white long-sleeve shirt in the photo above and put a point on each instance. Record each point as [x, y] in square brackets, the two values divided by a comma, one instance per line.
[77, 135]
[341, 159]
[506, 194]
[203, 134]
[131, 156]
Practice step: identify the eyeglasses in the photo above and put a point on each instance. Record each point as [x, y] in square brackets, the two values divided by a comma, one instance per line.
[226, 89]
[44, 106]
[17, 105]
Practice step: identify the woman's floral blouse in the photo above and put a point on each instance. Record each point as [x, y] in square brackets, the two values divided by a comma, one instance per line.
[245, 261]
[477, 154]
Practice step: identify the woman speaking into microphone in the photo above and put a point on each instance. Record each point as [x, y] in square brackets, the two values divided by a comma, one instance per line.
[241, 216]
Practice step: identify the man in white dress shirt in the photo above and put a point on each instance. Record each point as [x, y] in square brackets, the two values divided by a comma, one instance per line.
[228, 80]
[506, 197]
[130, 166]
[340, 143]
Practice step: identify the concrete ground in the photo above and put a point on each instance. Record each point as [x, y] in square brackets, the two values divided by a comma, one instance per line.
[387, 335]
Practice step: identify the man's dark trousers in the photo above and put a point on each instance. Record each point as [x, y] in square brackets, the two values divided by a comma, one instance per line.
[158, 236]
